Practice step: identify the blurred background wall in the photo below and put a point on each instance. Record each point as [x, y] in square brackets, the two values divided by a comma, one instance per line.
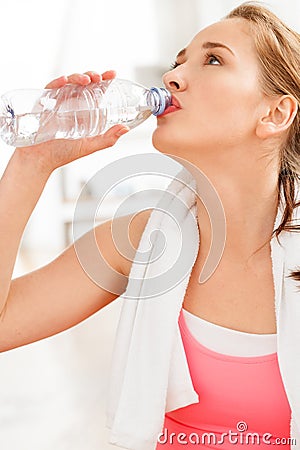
[52, 393]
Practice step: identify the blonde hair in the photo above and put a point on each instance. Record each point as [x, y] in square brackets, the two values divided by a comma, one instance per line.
[278, 50]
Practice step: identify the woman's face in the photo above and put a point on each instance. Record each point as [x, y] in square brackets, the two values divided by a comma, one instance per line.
[215, 83]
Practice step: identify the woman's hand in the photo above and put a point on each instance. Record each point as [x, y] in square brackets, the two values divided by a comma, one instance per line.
[56, 153]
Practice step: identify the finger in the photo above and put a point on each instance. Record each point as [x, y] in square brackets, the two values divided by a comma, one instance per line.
[57, 83]
[117, 130]
[109, 75]
[94, 76]
[105, 140]
[79, 78]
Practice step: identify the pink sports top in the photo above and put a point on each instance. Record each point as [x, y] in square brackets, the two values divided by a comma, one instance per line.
[242, 401]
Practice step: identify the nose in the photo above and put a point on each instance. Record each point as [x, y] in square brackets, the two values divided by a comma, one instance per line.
[174, 81]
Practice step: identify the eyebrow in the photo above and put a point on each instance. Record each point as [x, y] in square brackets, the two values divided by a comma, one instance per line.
[207, 45]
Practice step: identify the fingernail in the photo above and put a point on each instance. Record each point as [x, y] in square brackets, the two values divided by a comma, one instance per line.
[62, 79]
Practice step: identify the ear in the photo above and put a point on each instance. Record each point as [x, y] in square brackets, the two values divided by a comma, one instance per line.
[278, 118]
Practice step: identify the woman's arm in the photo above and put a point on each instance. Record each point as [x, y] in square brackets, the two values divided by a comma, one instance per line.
[61, 294]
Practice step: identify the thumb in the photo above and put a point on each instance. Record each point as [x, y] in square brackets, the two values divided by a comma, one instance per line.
[108, 139]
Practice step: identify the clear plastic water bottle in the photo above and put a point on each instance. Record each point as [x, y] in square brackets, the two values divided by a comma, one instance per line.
[31, 116]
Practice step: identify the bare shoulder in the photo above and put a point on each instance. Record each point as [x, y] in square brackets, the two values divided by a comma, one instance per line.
[119, 238]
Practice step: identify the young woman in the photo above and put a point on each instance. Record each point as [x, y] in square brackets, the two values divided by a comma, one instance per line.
[236, 94]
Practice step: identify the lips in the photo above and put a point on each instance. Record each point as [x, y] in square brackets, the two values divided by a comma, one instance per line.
[175, 106]
[175, 102]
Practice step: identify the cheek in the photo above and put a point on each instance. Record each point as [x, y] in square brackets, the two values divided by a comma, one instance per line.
[222, 94]
[230, 109]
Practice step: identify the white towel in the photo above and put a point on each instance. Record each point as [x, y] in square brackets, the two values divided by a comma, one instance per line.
[150, 375]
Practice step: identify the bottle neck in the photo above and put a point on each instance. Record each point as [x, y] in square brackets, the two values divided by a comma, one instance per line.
[159, 99]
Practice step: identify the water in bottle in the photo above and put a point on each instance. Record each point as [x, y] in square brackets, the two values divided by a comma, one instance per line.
[30, 116]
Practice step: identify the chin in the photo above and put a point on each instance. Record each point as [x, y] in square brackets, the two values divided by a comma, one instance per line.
[164, 142]
[170, 144]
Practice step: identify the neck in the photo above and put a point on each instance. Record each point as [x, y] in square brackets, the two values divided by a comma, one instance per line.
[248, 190]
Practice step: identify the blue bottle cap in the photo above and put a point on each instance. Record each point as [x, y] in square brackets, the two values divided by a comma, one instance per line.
[164, 98]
